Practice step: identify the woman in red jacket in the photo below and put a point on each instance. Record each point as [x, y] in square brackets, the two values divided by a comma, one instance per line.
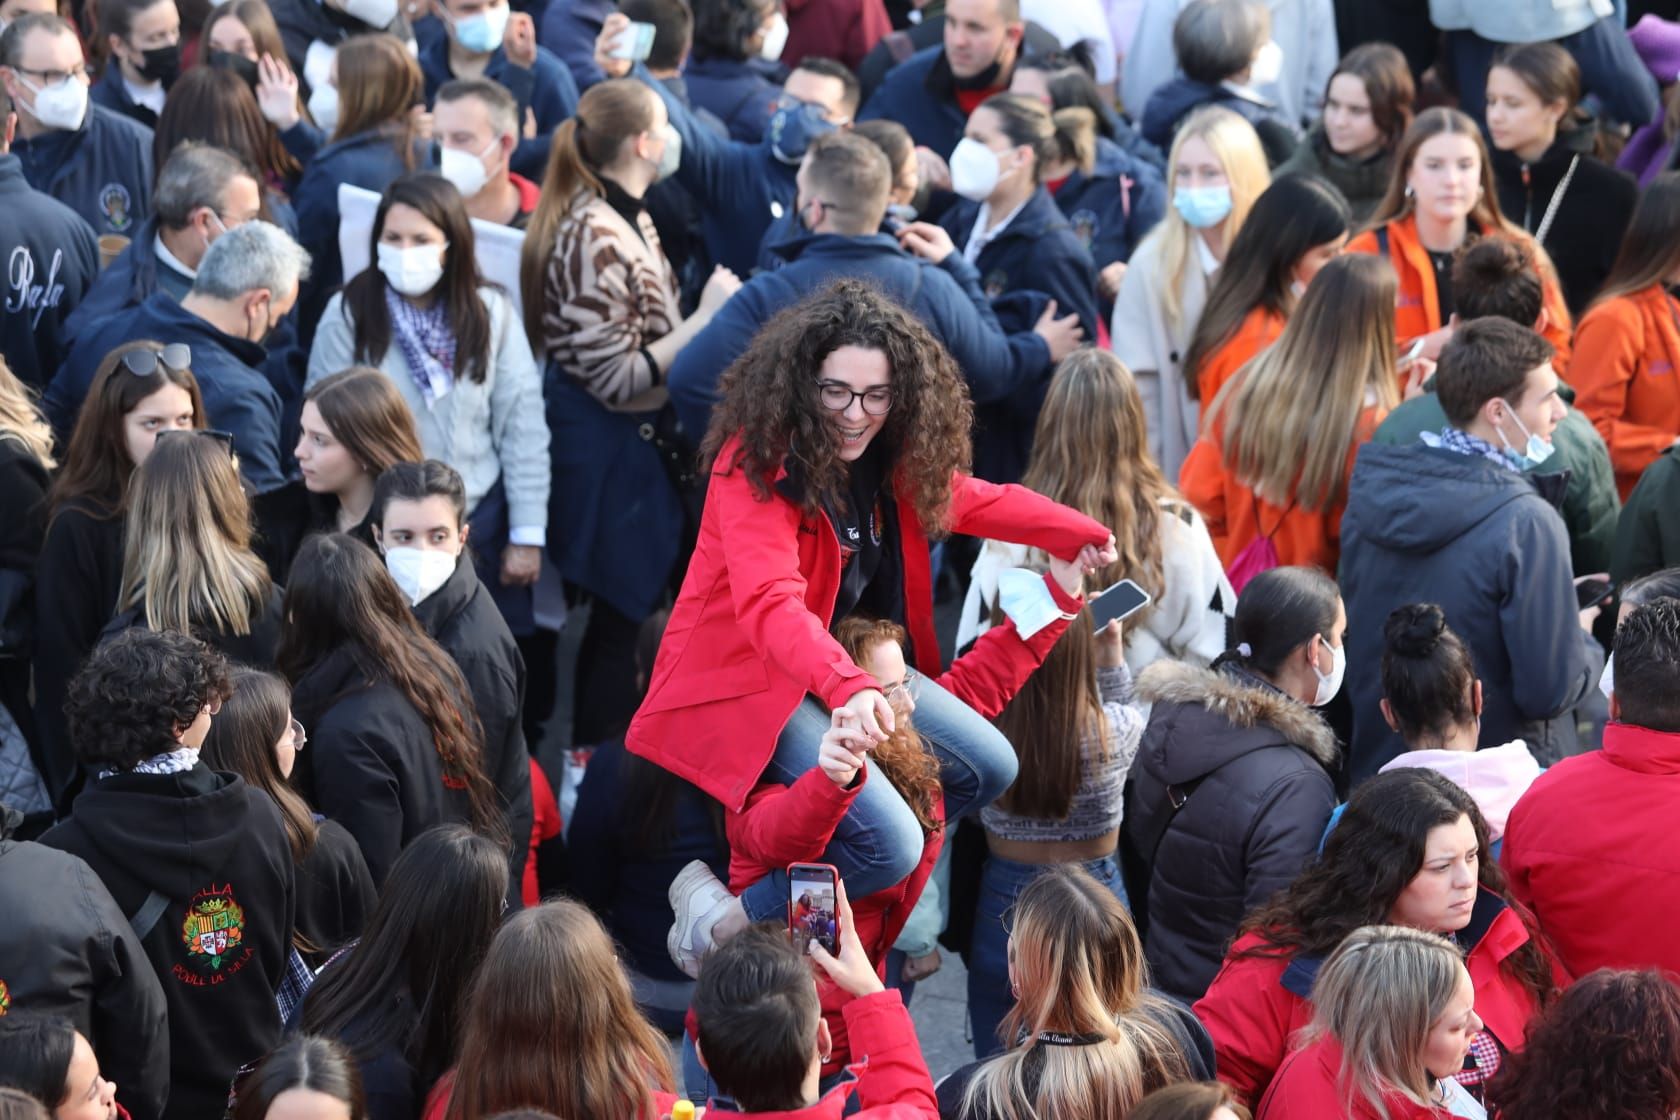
[1395, 1015]
[838, 449]
[1411, 849]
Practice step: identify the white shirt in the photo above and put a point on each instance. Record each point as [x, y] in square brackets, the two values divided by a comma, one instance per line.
[1204, 255]
[170, 259]
[979, 237]
[151, 96]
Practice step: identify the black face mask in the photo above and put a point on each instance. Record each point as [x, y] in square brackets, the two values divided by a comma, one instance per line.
[986, 79]
[162, 64]
[238, 63]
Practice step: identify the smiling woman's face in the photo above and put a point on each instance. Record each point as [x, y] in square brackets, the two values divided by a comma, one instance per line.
[866, 378]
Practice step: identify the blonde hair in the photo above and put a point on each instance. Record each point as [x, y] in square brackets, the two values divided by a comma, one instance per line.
[21, 421]
[1081, 971]
[1378, 996]
[187, 558]
[1236, 146]
[1291, 415]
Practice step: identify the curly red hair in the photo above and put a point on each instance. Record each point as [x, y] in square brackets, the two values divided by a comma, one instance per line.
[770, 399]
[1607, 1049]
[904, 758]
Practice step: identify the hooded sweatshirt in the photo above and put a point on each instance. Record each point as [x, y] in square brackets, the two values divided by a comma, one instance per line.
[215, 850]
[1494, 776]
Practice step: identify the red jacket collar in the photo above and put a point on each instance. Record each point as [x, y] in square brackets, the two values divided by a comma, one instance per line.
[529, 193]
[1641, 749]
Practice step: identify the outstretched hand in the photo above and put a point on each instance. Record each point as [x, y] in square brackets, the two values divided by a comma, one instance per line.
[852, 971]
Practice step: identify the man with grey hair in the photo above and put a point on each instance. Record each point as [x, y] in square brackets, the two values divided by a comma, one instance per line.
[244, 285]
[476, 124]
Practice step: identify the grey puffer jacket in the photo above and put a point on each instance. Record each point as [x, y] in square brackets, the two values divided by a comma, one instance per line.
[1248, 766]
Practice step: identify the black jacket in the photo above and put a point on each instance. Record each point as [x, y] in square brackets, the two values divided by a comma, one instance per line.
[1254, 763]
[1169, 105]
[370, 765]
[1592, 213]
[255, 649]
[335, 893]
[463, 619]
[51, 260]
[65, 949]
[215, 849]
[23, 489]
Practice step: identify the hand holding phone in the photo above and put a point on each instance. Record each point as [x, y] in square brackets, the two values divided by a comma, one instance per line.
[850, 969]
[813, 907]
[1118, 602]
[636, 44]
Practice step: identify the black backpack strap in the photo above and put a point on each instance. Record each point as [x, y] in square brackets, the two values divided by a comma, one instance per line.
[147, 916]
[1382, 239]
[1138, 857]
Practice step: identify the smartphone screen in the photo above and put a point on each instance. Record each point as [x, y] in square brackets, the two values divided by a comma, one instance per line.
[636, 43]
[812, 912]
[1122, 600]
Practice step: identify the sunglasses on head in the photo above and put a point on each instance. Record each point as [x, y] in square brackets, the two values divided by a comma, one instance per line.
[221, 437]
[176, 358]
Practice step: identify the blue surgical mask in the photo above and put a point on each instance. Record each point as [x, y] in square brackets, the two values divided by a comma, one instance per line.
[1534, 452]
[793, 126]
[1203, 207]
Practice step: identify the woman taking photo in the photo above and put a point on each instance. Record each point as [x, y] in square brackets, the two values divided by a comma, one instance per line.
[1230, 790]
[1367, 108]
[551, 985]
[26, 460]
[1411, 849]
[304, 1078]
[1629, 341]
[355, 427]
[1088, 1037]
[1395, 1016]
[1271, 470]
[256, 736]
[187, 559]
[1092, 414]
[1549, 180]
[141, 389]
[601, 306]
[734, 72]
[396, 742]
[395, 1000]
[1297, 226]
[1441, 194]
[454, 348]
[1215, 172]
[845, 421]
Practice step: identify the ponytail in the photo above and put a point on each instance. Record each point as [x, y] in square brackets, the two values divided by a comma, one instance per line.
[1427, 674]
[1076, 136]
[1278, 611]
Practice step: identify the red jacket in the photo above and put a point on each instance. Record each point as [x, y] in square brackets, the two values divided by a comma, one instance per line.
[844, 30]
[1256, 1004]
[892, 1080]
[1307, 1089]
[1590, 850]
[748, 638]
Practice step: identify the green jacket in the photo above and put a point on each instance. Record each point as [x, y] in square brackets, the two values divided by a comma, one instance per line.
[1648, 538]
[1590, 504]
[1362, 182]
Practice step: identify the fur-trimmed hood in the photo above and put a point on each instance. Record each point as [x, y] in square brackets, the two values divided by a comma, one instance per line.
[1257, 714]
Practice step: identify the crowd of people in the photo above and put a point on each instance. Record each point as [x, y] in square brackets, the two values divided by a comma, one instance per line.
[818, 368]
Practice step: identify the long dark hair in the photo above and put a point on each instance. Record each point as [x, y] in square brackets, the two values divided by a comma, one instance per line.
[439, 203]
[379, 83]
[1382, 70]
[320, 1065]
[1293, 216]
[770, 400]
[339, 596]
[1650, 251]
[35, 1054]
[1428, 675]
[214, 106]
[367, 414]
[1055, 712]
[96, 466]
[1277, 612]
[405, 981]
[241, 741]
[1374, 851]
[1071, 86]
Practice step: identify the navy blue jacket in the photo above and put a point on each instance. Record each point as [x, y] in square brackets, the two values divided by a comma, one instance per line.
[740, 93]
[1428, 525]
[1171, 103]
[547, 89]
[51, 260]
[1038, 251]
[1113, 207]
[110, 92]
[102, 171]
[921, 94]
[741, 188]
[238, 397]
[569, 30]
[946, 297]
[302, 22]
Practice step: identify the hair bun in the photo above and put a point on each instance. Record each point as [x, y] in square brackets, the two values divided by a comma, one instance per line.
[1415, 629]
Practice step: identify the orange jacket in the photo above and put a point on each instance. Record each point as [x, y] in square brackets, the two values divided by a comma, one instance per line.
[1235, 516]
[1258, 330]
[1627, 361]
[1416, 310]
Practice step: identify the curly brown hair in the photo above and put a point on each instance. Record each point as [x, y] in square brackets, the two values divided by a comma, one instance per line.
[1608, 1049]
[905, 759]
[770, 400]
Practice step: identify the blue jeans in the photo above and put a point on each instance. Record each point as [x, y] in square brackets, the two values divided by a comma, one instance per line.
[1001, 883]
[879, 842]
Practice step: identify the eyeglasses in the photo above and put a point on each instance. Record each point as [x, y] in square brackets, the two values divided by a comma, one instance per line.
[143, 362]
[54, 77]
[907, 689]
[221, 437]
[837, 396]
[299, 737]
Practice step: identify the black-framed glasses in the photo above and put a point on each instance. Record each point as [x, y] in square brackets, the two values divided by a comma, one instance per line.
[837, 396]
[143, 362]
[55, 77]
[221, 437]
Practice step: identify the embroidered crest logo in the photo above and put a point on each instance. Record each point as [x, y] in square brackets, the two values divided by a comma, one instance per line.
[995, 283]
[117, 206]
[214, 927]
[1085, 225]
[5, 998]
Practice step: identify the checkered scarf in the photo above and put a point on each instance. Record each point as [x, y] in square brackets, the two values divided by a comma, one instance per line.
[427, 341]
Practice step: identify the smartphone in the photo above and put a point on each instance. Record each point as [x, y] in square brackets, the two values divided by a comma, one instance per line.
[1594, 591]
[1412, 353]
[813, 907]
[636, 43]
[1121, 601]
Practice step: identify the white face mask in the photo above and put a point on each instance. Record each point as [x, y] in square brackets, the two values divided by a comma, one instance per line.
[1330, 683]
[464, 169]
[413, 271]
[323, 107]
[775, 38]
[671, 157]
[1607, 679]
[377, 14]
[61, 106]
[1268, 65]
[419, 571]
[975, 170]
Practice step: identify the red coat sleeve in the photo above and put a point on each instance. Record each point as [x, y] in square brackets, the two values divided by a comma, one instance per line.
[780, 825]
[1250, 1017]
[988, 676]
[896, 1075]
[1020, 516]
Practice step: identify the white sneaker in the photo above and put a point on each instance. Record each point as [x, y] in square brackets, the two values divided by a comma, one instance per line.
[698, 899]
